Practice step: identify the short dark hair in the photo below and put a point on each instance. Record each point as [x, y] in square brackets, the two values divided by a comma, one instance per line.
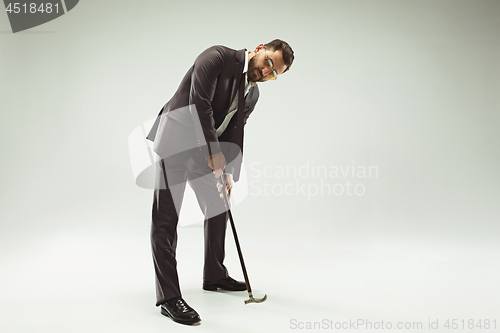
[286, 50]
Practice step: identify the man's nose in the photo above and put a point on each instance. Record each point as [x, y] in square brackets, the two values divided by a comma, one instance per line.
[266, 71]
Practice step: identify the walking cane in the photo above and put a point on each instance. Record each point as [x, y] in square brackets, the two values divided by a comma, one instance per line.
[247, 281]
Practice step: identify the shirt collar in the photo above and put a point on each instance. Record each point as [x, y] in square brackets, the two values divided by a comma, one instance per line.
[245, 69]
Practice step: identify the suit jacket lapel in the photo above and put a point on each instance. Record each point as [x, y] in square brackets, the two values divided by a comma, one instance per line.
[240, 114]
[238, 72]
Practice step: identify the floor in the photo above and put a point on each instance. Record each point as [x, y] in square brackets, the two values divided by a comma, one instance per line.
[88, 279]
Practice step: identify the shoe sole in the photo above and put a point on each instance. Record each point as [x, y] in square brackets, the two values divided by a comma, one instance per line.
[187, 322]
[214, 288]
[210, 288]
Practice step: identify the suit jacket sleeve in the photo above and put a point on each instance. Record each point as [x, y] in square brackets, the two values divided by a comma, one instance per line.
[250, 102]
[207, 68]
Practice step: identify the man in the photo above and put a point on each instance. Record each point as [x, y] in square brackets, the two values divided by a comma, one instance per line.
[198, 135]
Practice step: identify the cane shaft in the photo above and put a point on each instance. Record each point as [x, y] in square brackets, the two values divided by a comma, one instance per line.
[240, 254]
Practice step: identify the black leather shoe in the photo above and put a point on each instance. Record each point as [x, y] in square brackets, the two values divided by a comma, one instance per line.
[226, 284]
[181, 312]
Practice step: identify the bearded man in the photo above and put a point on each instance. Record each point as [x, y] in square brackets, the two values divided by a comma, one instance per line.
[199, 137]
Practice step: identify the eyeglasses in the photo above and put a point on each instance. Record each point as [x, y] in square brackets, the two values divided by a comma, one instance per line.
[273, 75]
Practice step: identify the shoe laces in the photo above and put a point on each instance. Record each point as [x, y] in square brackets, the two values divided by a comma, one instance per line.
[182, 305]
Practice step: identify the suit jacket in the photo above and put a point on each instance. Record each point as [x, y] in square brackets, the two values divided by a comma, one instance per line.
[190, 118]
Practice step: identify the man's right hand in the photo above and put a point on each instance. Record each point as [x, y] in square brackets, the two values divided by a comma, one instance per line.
[217, 162]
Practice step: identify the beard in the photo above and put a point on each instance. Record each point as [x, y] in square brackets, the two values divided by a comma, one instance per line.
[253, 70]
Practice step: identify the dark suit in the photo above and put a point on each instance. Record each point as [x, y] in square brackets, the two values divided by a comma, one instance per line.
[184, 135]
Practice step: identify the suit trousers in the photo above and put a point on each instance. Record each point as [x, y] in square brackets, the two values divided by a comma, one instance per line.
[171, 178]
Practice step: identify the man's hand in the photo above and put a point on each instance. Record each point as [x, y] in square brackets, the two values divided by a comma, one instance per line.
[228, 179]
[217, 162]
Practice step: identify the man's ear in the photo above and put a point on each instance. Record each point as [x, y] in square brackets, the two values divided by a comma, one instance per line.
[259, 47]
